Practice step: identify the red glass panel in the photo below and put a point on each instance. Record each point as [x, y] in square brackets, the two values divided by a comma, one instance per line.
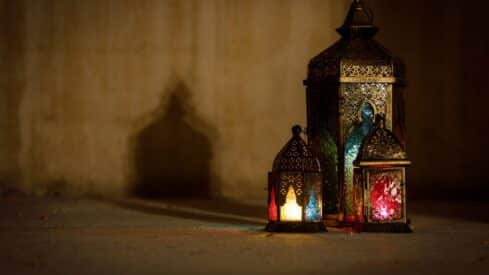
[272, 206]
[386, 198]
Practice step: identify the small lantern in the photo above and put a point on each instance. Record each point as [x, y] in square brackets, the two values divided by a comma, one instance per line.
[347, 85]
[380, 182]
[295, 189]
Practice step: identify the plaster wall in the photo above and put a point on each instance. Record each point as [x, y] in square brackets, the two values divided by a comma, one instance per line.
[101, 95]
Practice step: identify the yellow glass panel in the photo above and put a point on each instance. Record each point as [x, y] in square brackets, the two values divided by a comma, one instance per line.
[291, 211]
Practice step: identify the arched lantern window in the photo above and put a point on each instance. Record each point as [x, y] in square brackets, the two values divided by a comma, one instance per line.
[380, 182]
[295, 189]
[347, 84]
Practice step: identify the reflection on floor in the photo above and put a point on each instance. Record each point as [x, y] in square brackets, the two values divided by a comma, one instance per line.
[61, 236]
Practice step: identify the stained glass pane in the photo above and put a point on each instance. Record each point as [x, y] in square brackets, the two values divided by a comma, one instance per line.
[352, 146]
[386, 195]
[329, 151]
[272, 205]
[313, 192]
[323, 134]
[291, 210]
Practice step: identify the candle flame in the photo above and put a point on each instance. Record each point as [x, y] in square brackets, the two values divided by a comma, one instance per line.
[291, 211]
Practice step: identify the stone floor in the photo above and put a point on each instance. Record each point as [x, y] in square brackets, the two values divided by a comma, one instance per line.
[94, 236]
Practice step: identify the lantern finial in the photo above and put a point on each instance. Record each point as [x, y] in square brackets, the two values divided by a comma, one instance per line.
[296, 130]
[359, 20]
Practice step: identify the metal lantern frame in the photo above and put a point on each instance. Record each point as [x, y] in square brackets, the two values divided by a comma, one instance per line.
[381, 156]
[356, 73]
[295, 189]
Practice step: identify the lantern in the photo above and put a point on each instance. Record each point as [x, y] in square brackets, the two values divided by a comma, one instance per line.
[347, 85]
[380, 182]
[295, 189]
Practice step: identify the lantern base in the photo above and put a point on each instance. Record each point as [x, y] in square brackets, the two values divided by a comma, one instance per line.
[332, 220]
[383, 227]
[295, 227]
[347, 221]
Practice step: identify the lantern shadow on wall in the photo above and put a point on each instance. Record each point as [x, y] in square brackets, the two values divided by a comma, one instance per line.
[172, 154]
[171, 160]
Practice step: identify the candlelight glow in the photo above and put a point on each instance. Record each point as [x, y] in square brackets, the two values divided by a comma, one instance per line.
[291, 211]
[386, 196]
[313, 210]
[272, 208]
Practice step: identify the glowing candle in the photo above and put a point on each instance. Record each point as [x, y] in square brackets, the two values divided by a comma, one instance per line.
[386, 197]
[291, 211]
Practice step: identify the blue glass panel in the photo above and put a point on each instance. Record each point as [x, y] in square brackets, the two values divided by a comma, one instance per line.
[352, 146]
[313, 211]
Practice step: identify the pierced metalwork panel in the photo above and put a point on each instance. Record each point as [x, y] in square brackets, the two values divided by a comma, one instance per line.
[327, 63]
[381, 144]
[355, 95]
[355, 70]
[296, 180]
[355, 58]
[296, 156]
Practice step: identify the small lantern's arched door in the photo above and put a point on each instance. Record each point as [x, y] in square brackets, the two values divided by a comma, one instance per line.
[352, 145]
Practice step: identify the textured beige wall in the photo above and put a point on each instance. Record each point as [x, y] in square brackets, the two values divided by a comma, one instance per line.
[96, 74]
[98, 94]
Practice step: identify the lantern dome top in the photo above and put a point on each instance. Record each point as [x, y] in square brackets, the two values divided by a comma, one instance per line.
[381, 145]
[296, 156]
[357, 56]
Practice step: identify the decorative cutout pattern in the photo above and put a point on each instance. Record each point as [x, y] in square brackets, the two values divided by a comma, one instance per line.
[294, 179]
[381, 144]
[355, 70]
[326, 64]
[354, 58]
[295, 156]
[355, 95]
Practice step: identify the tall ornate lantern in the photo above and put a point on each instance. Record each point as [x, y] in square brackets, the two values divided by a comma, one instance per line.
[295, 189]
[380, 182]
[347, 85]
